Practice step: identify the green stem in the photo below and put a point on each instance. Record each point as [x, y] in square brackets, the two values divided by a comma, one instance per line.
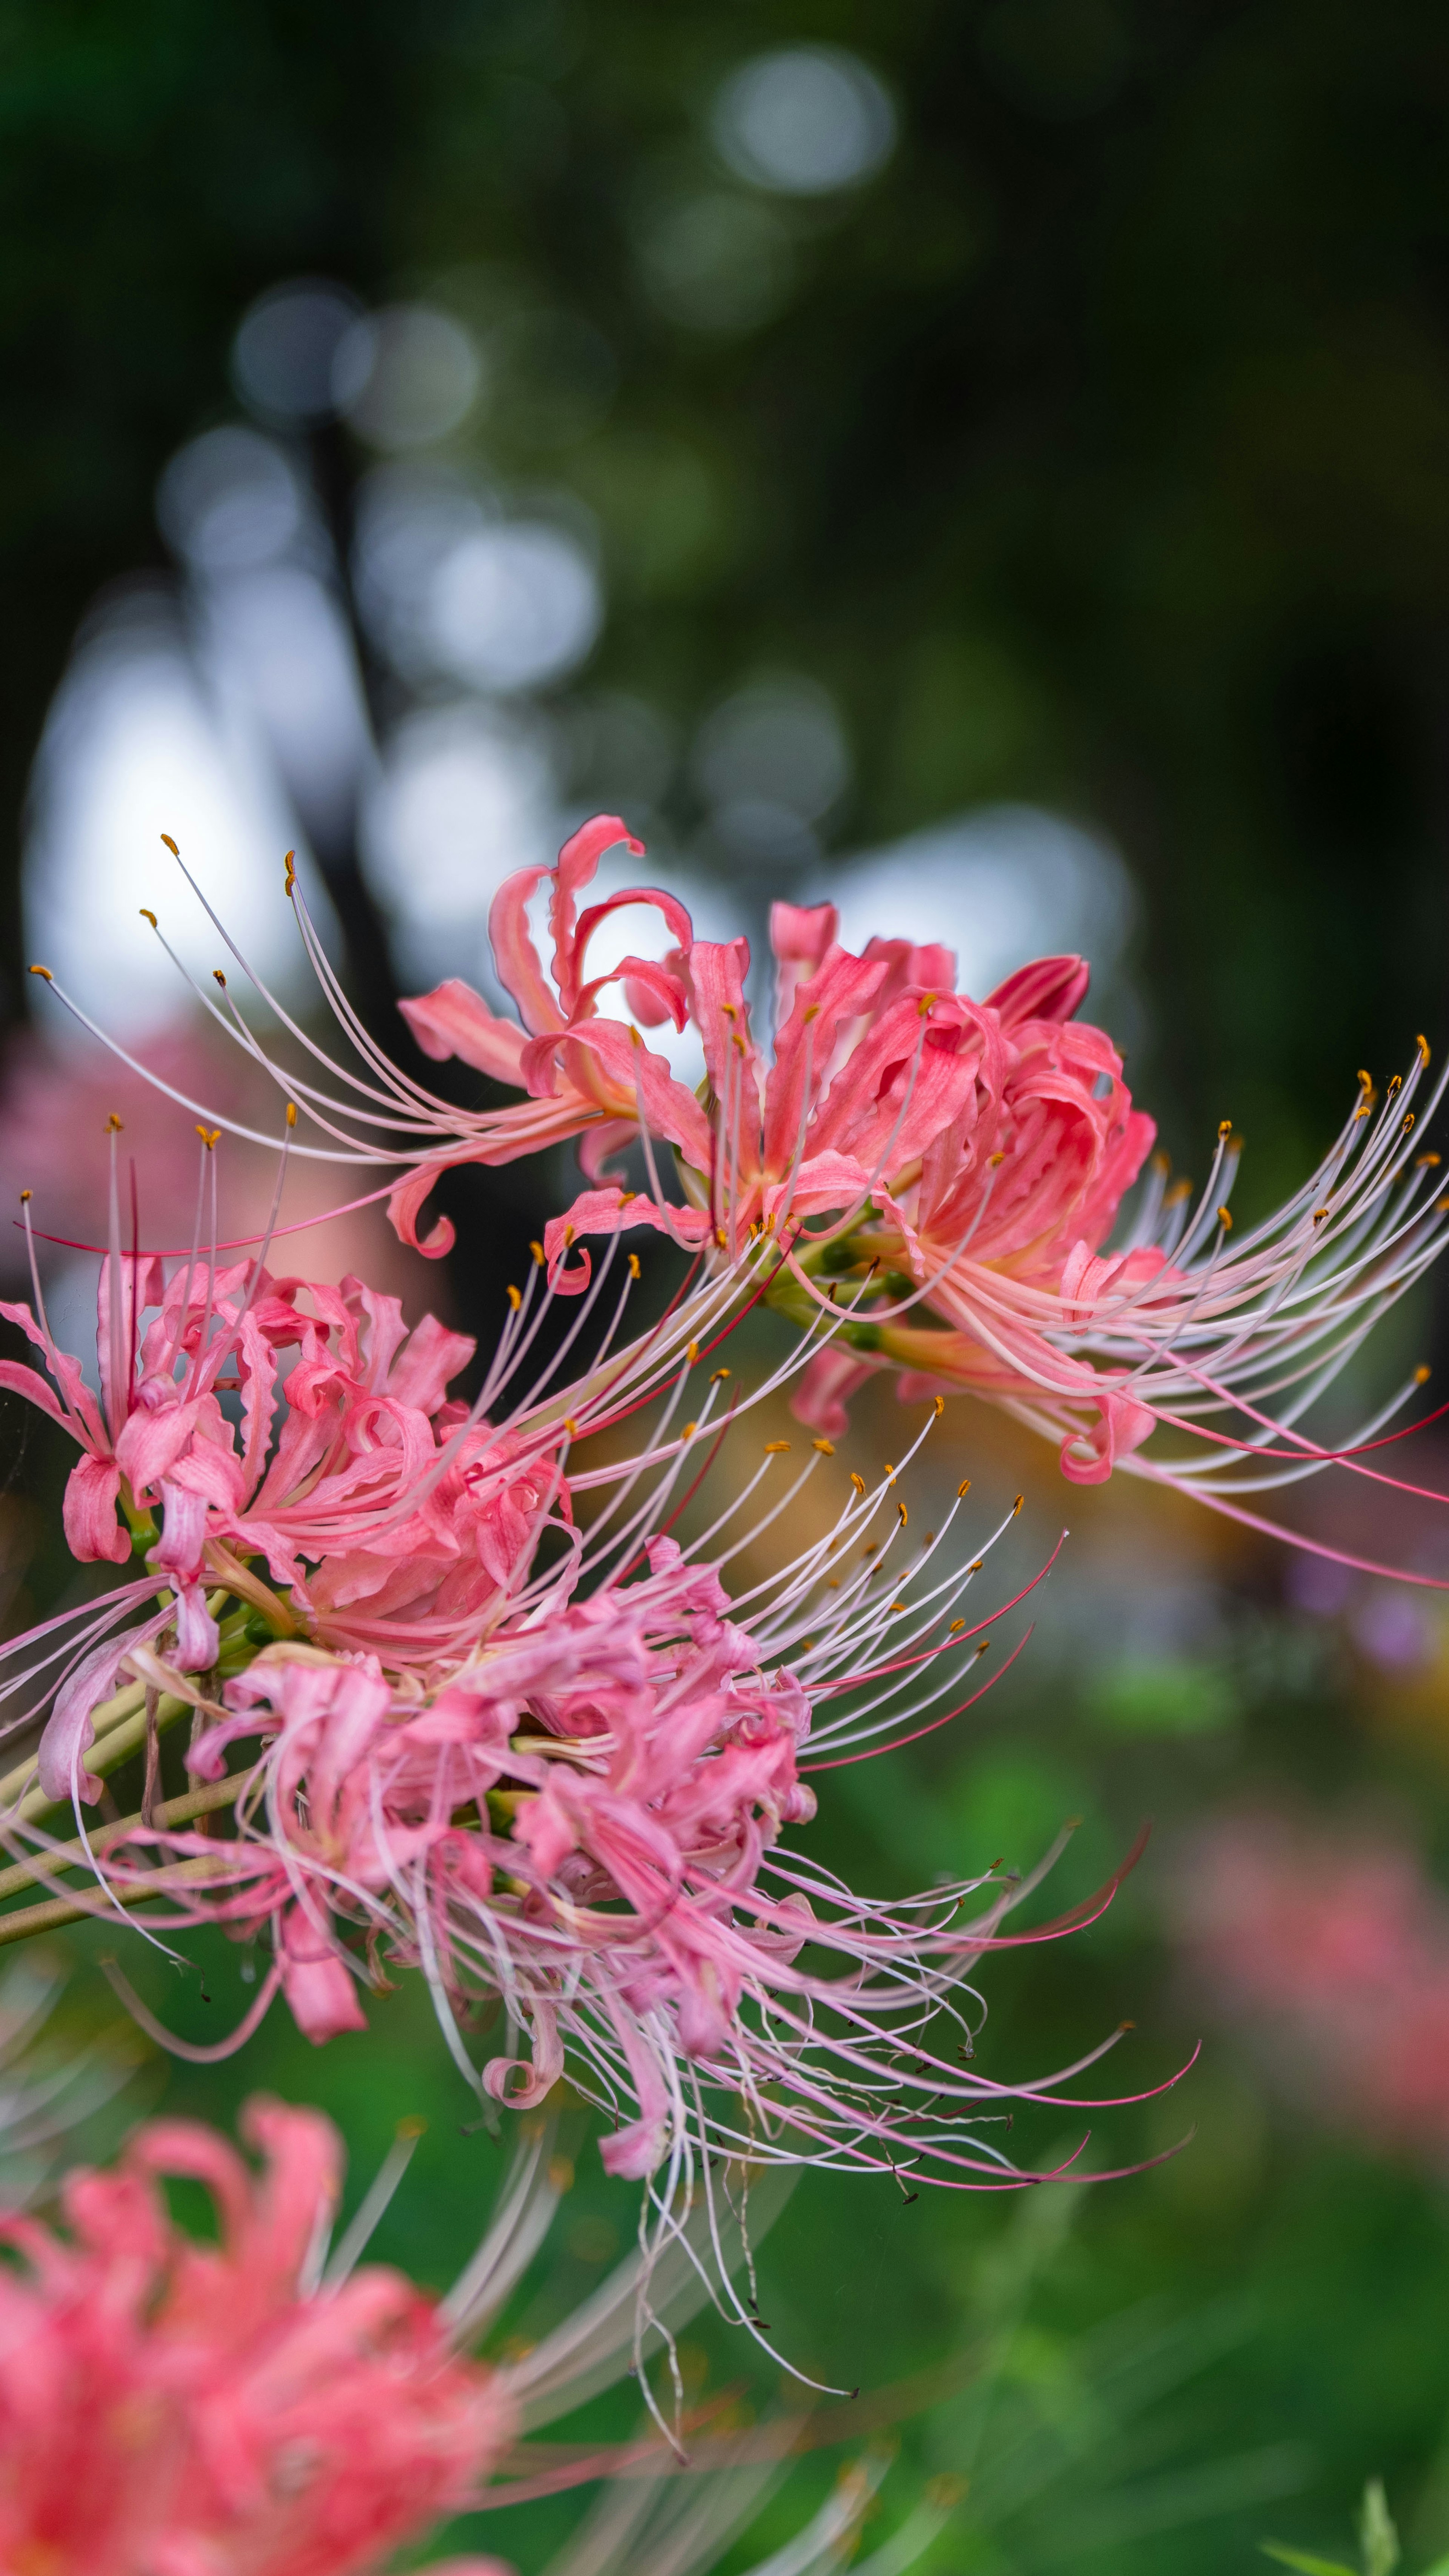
[206, 1801]
[59, 1910]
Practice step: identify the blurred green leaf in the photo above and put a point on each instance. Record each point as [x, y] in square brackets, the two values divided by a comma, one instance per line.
[1163, 1696]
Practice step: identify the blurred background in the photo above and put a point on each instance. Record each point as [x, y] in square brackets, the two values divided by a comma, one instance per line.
[986, 461]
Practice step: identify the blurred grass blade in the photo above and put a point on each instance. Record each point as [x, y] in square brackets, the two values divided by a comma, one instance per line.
[1377, 2538]
[1306, 2565]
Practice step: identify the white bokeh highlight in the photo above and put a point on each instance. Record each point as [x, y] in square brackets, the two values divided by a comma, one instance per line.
[806, 121]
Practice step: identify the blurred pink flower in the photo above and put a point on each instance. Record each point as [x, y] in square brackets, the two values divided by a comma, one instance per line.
[1332, 1949]
[175, 2409]
[59, 1107]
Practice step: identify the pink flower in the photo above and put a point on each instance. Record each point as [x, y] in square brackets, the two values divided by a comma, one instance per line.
[592, 1819]
[1332, 1951]
[174, 2409]
[390, 1516]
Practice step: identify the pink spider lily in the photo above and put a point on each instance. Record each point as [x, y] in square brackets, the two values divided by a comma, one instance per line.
[270, 2405]
[389, 1516]
[585, 1822]
[929, 1183]
[168, 2407]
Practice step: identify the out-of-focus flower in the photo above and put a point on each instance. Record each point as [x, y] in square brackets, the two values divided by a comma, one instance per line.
[254, 2408]
[1331, 1949]
[60, 1105]
[169, 2408]
[927, 1182]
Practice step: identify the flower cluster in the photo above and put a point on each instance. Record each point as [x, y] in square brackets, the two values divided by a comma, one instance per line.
[459, 1699]
[925, 1183]
[470, 1699]
[563, 1785]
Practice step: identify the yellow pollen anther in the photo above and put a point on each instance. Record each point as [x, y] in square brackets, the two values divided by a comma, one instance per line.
[1422, 1044]
[568, 1238]
[996, 1159]
[1365, 1080]
[859, 1483]
[1225, 1129]
[149, 916]
[1422, 1373]
[898, 1605]
[976, 1565]
[956, 1627]
[291, 1113]
[1179, 1191]
[963, 1489]
[113, 1125]
[719, 1373]
[634, 1037]
[45, 971]
[939, 1406]
[689, 1431]
[1363, 1113]
[625, 1197]
[210, 1137]
[729, 1010]
[1395, 1083]
[924, 1004]
[537, 1251]
[514, 1299]
[692, 1353]
[775, 1448]
[900, 1507]
[1319, 1214]
[1225, 1220]
[1016, 1506]
[719, 1236]
[1440, 1205]
[217, 977]
[1427, 1163]
[1407, 1122]
[825, 1447]
[813, 1013]
[738, 1041]
[24, 1195]
[171, 846]
[634, 1265]
[571, 1427]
